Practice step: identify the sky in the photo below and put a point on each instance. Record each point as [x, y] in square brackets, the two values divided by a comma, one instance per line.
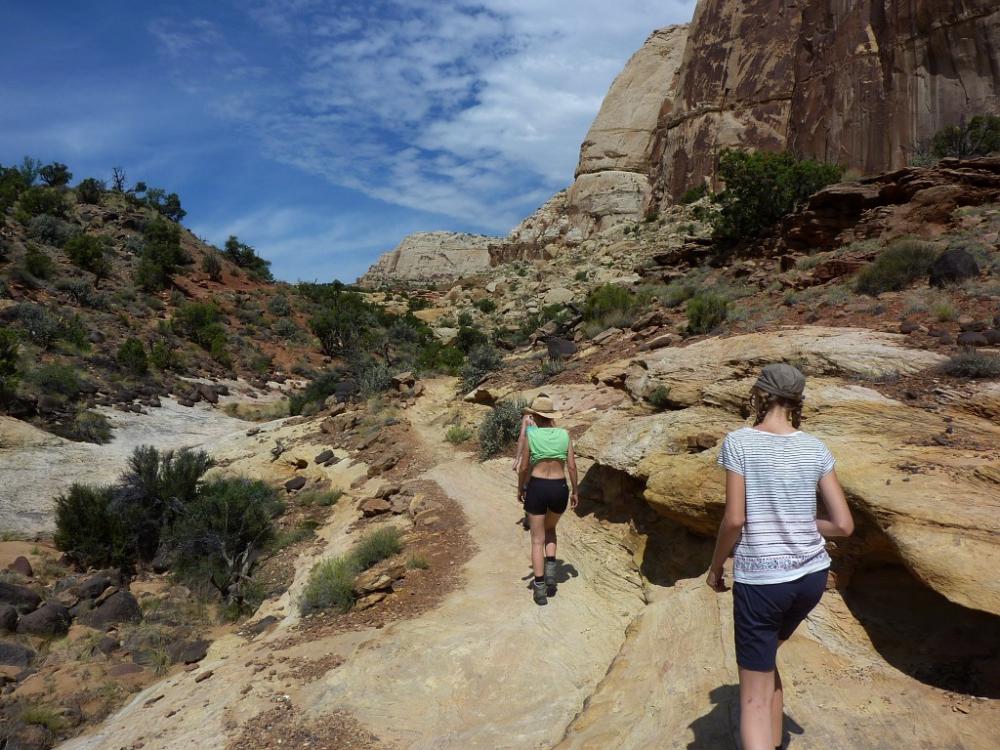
[321, 133]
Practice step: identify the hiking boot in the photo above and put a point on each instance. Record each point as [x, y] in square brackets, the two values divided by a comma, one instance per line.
[550, 577]
[538, 592]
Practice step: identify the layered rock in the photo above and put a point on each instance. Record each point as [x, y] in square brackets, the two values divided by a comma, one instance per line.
[431, 257]
[863, 84]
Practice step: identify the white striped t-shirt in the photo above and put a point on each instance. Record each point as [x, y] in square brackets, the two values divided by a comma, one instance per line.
[780, 541]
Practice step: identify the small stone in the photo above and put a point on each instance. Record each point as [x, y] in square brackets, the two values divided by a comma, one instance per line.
[323, 457]
[972, 339]
[21, 566]
[204, 676]
[375, 506]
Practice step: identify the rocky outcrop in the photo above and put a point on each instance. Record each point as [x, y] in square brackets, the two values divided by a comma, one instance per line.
[863, 84]
[919, 483]
[428, 257]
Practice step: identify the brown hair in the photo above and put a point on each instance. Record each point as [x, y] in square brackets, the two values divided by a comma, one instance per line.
[761, 402]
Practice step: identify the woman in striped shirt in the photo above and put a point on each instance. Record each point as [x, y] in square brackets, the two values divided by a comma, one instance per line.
[770, 526]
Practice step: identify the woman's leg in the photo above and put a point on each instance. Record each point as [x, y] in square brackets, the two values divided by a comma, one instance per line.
[777, 710]
[537, 523]
[756, 700]
[551, 519]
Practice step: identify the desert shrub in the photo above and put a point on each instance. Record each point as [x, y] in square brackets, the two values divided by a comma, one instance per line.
[761, 187]
[39, 200]
[89, 530]
[437, 357]
[486, 305]
[286, 329]
[899, 265]
[676, 292]
[659, 396]
[43, 716]
[330, 586]
[73, 331]
[55, 174]
[166, 204]
[483, 360]
[943, 311]
[706, 311]
[971, 363]
[372, 376]
[279, 306]
[470, 338]
[132, 357]
[38, 263]
[695, 193]
[246, 257]
[551, 367]
[220, 534]
[160, 256]
[90, 190]
[91, 427]
[465, 319]
[580, 276]
[342, 323]
[56, 379]
[211, 265]
[317, 391]
[457, 434]
[12, 184]
[49, 230]
[605, 299]
[163, 356]
[38, 324]
[322, 498]
[87, 252]
[977, 137]
[9, 355]
[82, 292]
[377, 545]
[500, 428]
[199, 322]
[417, 562]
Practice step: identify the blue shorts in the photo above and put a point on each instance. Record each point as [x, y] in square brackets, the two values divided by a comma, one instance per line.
[767, 613]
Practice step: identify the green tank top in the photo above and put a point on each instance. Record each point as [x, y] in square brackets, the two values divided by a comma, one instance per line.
[547, 443]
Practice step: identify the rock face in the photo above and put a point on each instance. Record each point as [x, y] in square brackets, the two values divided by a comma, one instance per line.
[429, 257]
[864, 83]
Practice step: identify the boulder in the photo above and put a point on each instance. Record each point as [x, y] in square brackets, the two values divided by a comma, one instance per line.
[118, 608]
[992, 336]
[323, 457]
[953, 266]
[560, 348]
[294, 484]
[404, 380]
[557, 296]
[971, 338]
[8, 618]
[93, 587]
[188, 652]
[375, 506]
[21, 598]
[15, 654]
[51, 619]
[22, 567]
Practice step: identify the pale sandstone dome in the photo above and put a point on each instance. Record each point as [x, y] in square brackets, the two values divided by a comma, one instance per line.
[432, 256]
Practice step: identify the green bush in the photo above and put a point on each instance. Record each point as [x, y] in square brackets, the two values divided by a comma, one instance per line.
[160, 256]
[377, 545]
[316, 392]
[87, 252]
[49, 230]
[90, 190]
[91, 427]
[580, 276]
[694, 194]
[55, 174]
[322, 498]
[57, 379]
[83, 293]
[971, 363]
[199, 322]
[246, 257]
[40, 326]
[465, 319]
[978, 137]
[39, 200]
[212, 266]
[88, 528]
[659, 397]
[486, 305]
[163, 356]
[38, 263]
[899, 265]
[435, 357]
[12, 184]
[9, 356]
[500, 428]
[330, 586]
[279, 306]
[761, 188]
[706, 311]
[167, 204]
[342, 323]
[372, 375]
[132, 357]
[605, 299]
[551, 367]
[483, 360]
[457, 434]
[470, 338]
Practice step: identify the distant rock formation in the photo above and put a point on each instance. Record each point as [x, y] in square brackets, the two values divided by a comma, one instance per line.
[429, 257]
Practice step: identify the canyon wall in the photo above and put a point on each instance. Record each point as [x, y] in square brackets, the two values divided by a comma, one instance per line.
[428, 257]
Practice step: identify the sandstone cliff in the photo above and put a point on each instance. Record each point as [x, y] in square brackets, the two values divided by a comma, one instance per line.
[430, 257]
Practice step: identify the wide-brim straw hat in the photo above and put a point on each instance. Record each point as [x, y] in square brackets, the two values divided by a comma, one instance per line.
[542, 406]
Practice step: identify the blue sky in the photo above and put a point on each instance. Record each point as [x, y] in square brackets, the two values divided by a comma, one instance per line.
[320, 132]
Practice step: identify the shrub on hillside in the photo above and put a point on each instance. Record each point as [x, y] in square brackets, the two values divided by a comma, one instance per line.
[219, 535]
[500, 428]
[49, 230]
[57, 379]
[166, 204]
[12, 184]
[899, 265]
[199, 322]
[482, 361]
[90, 190]
[10, 346]
[470, 338]
[760, 188]
[486, 305]
[38, 324]
[342, 322]
[91, 427]
[971, 363]
[706, 311]
[694, 194]
[55, 174]
[279, 306]
[39, 200]
[161, 255]
[38, 263]
[89, 530]
[457, 434]
[83, 293]
[605, 299]
[132, 357]
[87, 252]
[435, 357]
[212, 266]
[331, 582]
[977, 137]
[246, 257]
[163, 356]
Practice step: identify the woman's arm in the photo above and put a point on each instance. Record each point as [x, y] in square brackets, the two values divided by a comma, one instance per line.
[574, 498]
[521, 439]
[730, 529]
[840, 523]
[523, 469]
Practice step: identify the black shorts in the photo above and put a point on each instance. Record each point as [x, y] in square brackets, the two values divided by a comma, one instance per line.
[764, 614]
[546, 496]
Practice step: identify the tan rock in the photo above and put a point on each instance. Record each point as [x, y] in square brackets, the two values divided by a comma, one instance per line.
[431, 256]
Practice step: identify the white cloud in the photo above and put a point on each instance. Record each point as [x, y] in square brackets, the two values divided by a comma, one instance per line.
[476, 113]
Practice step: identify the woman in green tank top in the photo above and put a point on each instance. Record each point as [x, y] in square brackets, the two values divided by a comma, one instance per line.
[546, 456]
